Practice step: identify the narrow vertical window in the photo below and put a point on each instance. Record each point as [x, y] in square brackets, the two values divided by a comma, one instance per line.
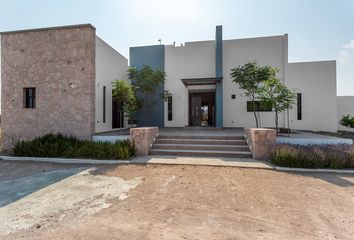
[169, 108]
[29, 97]
[299, 106]
[104, 104]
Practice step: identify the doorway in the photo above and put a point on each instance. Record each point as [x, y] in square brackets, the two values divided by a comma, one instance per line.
[202, 109]
[117, 115]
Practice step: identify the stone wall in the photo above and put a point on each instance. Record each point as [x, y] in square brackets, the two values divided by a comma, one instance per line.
[60, 64]
[143, 138]
[261, 141]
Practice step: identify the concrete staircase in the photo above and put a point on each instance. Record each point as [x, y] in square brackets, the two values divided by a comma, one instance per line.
[201, 146]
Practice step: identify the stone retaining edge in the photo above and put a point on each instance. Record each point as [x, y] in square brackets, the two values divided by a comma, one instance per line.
[317, 170]
[95, 161]
[64, 160]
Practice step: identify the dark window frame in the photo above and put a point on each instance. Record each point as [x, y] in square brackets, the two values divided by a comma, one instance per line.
[169, 108]
[29, 97]
[104, 104]
[299, 106]
[260, 107]
[233, 96]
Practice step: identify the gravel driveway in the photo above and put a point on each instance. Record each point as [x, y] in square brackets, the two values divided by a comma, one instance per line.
[57, 201]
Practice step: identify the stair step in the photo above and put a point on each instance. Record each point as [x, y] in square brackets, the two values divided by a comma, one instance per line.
[200, 141]
[242, 148]
[178, 136]
[201, 153]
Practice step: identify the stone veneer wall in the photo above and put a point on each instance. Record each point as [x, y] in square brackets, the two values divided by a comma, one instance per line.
[261, 142]
[143, 138]
[60, 64]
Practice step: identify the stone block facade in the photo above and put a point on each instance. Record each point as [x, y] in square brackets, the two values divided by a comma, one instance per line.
[60, 64]
[143, 138]
[261, 141]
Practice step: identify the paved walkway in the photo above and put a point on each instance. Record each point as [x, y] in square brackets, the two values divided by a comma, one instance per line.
[217, 162]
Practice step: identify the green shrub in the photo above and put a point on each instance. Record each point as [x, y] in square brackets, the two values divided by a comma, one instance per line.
[58, 145]
[313, 156]
[347, 121]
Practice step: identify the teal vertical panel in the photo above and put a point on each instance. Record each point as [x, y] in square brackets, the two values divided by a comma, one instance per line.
[219, 74]
[154, 56]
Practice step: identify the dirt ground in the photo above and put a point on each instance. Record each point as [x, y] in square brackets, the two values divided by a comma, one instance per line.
[187, 202]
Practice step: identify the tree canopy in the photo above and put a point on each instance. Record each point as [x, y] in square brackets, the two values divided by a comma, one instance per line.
[146, 82]
[249, 77]
[275, 93]
[124, 94]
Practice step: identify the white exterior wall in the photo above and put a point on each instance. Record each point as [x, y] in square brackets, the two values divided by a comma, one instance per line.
[316, 81]
[345, 106]
[266, 51]
[110, 65]
[194, 60]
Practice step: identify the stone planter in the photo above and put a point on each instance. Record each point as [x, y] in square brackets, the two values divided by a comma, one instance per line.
[261, 141]
[143, 138]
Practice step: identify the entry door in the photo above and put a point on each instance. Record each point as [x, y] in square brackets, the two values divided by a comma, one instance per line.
[196, 113]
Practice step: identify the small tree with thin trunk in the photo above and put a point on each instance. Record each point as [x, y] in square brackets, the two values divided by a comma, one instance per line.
[275, 93]
[124, 94]
[249, 77]
[146, 82]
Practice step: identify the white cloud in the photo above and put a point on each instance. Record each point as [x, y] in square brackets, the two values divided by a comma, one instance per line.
[346, 53]
[350, 45]
[344, 56]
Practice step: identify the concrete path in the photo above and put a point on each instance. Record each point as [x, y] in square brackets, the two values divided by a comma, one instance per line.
[205, 161]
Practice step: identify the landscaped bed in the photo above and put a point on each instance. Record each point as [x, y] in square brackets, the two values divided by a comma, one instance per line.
[61, 146]
[313, 156]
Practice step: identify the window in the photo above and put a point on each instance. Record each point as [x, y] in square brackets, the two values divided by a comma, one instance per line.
[299, 106]
[29, 97]
[233, 96]
[258, 106]
[104, 104]
[169, 108]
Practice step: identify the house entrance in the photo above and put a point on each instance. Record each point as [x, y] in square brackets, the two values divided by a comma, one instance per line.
[117, 115]
[202, 109]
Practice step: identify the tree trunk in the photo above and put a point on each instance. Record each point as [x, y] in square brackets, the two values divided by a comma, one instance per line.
[255, 117]
[254, 112]
[276, 122]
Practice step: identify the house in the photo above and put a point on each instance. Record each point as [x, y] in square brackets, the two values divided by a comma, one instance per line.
[58, 80]
[203, 94]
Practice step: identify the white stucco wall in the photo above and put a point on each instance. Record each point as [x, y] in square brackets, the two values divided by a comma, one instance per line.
[193, 60]
[316, 81]
[110, 65]
[345, 106]
[266, 51]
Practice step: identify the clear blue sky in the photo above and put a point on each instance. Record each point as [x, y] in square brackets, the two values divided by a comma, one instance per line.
[318, 29]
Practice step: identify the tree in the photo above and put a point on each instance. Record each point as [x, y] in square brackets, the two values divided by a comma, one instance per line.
[146, 82]
[249, 77]
[124, 94]
[275, 93]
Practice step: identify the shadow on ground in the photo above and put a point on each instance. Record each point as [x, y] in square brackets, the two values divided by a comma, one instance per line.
[14, 189]
[340, 180]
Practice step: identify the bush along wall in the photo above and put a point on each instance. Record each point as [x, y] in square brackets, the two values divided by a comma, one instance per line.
[313, 156]
[61, 146]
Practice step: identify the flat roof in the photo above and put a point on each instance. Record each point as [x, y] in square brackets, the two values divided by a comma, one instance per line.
[49, 28]
[201, 81]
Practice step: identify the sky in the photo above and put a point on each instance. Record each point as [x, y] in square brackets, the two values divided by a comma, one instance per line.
[318, 29]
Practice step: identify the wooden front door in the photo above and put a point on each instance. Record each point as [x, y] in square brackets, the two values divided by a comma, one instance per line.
[202, 109]
[195, 110]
